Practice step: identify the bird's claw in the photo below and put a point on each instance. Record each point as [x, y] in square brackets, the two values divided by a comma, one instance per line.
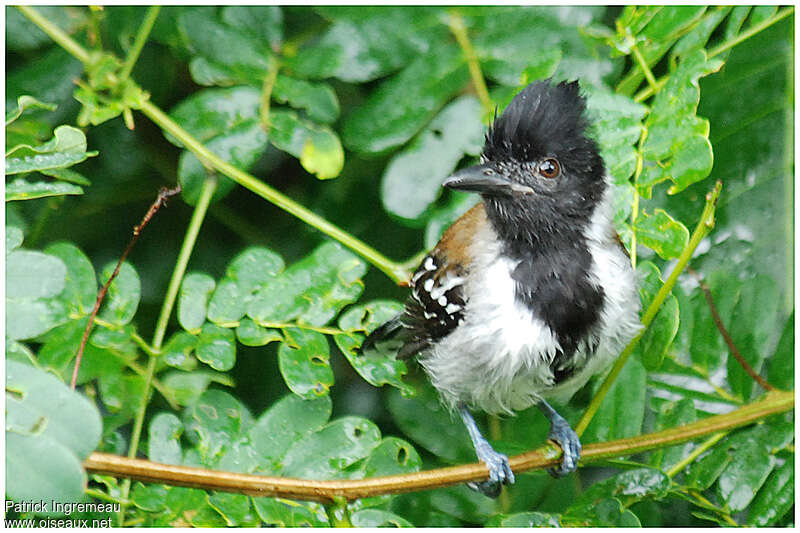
[500, 473]
[566, 438]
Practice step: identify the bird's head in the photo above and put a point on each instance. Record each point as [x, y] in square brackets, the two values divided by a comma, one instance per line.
[539, 171]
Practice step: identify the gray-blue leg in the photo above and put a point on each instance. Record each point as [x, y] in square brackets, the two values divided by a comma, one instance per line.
[499, 470]
[563, 435]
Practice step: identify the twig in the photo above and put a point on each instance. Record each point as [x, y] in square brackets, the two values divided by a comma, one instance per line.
[459, 30]
[727, 336]
[326, 491]
[138, 43]
[163, 194]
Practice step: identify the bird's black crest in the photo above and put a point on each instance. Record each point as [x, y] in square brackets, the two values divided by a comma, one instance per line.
[525, 130]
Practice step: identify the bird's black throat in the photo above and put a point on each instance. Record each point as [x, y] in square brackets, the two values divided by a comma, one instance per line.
[552, 276]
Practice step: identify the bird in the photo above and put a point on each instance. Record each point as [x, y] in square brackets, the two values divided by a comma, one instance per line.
[531, 292]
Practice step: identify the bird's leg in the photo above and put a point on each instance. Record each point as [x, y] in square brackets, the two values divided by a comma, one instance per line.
[563, 435]
[499, 470]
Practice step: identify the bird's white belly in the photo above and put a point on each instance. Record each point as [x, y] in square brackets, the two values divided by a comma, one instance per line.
[498, 358]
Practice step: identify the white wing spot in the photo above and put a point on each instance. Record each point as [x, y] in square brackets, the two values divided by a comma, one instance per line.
[428, 285]
[429, 264]
[442, 300]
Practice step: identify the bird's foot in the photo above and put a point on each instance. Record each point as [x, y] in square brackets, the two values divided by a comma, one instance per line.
[499, 471]
[565, 437]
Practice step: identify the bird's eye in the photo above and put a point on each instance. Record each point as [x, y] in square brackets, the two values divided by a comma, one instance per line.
[549, 168]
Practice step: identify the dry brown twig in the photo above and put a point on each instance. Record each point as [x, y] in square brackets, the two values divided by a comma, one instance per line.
[161, 200]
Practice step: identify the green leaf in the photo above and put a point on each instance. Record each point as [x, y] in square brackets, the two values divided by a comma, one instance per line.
[32, 280]
[262, 22]
[66, 174]
[750, 328]
[163, 444]
[318, 99]
[674, 129]
[122, 300]
[247, 64]
[313, 290]
[413, 178]
[397, 110]
[80, 287]
[317, 147]
[392, 456]
[622, 412]
[671, 20]
[186, 387]
[216, 347]
[628, 487]
[20, 189]
[66, 148]
[215, 423]
[617, 122]
[50, 429]
[287, 513]
[378, 518]
[327, 452]
[661, 233]
[234, 508]
[658, 338]
[425, 420]
[529, 519]
[304, 362]
[27, 318]
[211, 112]
[775, 498]
[248, 271]
[49, 79]
[744, 476]
[177, 352]
[369, 45]
[780, 367]
[193, 300]
[32, 275]
[24, 35]
[251, 334]
[284, 423]
[24, 103]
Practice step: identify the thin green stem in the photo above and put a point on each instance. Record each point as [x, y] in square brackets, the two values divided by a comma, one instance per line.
[459, 30]
[138, 43]
[649, 91]
[702, 229]
[648, 74]
[266, 91]
[392, 269]
[57, 34]
[338, 514]
[635, 208]
[761, 26]
[209, 186]
[697, 452]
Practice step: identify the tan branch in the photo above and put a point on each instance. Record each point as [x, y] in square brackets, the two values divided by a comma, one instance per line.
[325, 491]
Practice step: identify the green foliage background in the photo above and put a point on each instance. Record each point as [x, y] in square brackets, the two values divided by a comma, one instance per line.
[358, 114]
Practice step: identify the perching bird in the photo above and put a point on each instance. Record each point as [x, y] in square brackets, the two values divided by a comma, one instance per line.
[530, 292]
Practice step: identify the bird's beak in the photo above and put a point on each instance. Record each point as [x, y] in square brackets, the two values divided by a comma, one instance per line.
[485, 180]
